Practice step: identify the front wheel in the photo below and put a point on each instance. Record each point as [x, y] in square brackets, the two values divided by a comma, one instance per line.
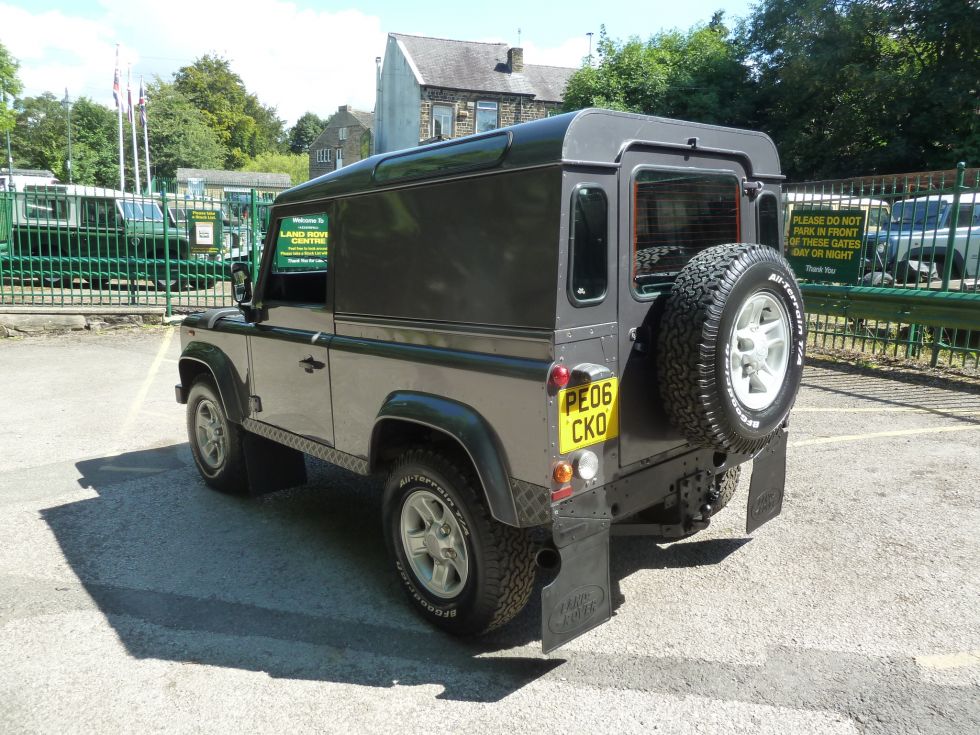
[461, 570]
[215, 441]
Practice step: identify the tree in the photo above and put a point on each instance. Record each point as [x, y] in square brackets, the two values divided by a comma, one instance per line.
[866, 86]
[695, 75]
[305, 131]
[297, 165]
[179, 133]
[10, 87]
[241, 123]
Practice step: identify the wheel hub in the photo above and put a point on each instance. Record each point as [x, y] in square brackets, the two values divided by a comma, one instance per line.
[434, 544]
[759, 350]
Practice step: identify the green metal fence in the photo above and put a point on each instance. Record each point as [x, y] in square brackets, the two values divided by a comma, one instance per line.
[914, 294]
[69, 245]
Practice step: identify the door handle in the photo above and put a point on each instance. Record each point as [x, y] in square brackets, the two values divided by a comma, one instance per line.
[309, 364]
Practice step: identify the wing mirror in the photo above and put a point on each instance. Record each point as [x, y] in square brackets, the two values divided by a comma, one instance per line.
[241, 282]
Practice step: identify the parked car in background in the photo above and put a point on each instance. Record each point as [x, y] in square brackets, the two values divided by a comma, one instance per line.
[96, 235]
[915, 244]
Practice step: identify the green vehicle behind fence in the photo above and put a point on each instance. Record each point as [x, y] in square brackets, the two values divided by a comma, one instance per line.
[65, 235]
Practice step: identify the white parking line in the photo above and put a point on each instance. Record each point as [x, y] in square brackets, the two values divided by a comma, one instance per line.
[882, 434]
[949, 660]
[907, 409]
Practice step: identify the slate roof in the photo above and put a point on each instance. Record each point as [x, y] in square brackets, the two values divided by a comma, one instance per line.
[481, 67]
[364, 118]
[217, 177]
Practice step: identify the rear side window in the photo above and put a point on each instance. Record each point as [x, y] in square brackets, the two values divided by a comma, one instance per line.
[768, 208]
[588, 245]
[675, 216]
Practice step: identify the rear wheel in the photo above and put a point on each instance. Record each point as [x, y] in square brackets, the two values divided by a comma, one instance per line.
[461, 570]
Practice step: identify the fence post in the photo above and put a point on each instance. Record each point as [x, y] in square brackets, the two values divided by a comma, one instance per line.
[166, 250]
[253, 228]
[954, 221]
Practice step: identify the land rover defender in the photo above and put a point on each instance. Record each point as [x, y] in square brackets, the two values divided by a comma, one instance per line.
[540, 336]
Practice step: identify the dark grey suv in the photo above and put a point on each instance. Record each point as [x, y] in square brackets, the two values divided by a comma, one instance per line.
[540, 336]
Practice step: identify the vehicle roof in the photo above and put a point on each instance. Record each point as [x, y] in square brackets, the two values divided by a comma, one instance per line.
[966, 197]
[587, 136]
[805, 196]
[91, 191]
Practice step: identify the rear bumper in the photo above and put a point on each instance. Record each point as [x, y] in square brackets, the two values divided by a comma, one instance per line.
[579, 598]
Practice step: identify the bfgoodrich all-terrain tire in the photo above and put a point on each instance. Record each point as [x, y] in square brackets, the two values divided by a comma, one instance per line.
[730, 347]
[462, 570]
[215, 441]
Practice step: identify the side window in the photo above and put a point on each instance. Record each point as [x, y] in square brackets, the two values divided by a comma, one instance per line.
[298, 273]
[588, 245]
[98, 213]
[768, 211]
[675, 216]
[46, 208]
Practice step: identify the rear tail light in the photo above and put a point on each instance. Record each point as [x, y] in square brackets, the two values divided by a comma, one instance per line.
[559, 377]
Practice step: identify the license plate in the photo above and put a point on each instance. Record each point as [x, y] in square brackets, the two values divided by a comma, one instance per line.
[588, 414]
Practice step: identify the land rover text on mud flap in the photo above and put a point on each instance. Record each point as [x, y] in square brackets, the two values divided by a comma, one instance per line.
[571, 328]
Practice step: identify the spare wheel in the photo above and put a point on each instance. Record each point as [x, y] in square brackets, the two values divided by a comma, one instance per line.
[730, 347]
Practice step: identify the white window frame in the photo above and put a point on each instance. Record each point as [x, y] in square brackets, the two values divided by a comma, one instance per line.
[448, 110]
[323, 155]
[488, 104]
[342, 133]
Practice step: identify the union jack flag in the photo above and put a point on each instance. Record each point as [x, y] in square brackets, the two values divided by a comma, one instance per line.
[129, 102]
[142, 103]
[115, 82]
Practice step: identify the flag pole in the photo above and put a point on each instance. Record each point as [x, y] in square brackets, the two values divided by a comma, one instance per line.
[117, 94]
[146, 137]
[132, 127]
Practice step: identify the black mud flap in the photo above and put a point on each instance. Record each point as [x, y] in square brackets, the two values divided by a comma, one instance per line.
[270, 465]
[768, 483]
[578, 599]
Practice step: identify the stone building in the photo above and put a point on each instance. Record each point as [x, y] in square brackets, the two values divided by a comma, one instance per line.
[345, 139]
[435, 88]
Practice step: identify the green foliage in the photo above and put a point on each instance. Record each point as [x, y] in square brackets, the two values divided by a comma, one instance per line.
[698, 75]
[241, 123]
[297, 165]
[305, 131]
[179, 133]
[869, 86]
[10, 87]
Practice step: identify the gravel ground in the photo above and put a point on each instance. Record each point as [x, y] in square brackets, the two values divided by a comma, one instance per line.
[134, 600]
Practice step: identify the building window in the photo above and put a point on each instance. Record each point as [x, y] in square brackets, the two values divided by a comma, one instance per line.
[342, 134]
[323, 155]
[442, 121]
[486, 116]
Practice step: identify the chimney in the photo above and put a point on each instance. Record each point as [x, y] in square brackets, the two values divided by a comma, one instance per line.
[515, 60]
[343, 108]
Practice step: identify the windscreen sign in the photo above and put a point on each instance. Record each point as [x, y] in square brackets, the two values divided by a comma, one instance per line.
[303, 243]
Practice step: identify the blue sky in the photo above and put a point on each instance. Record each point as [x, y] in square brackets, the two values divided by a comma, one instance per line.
[301, 55]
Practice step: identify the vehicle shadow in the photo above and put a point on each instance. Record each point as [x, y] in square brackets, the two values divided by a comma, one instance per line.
[295, 584]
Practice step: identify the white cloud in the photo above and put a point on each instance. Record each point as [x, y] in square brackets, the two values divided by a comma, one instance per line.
[570, 52]
[293, 59]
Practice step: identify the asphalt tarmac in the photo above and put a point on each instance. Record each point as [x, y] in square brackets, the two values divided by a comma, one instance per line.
[133, 599]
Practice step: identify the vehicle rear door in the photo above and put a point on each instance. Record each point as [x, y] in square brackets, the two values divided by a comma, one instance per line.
[677, 205]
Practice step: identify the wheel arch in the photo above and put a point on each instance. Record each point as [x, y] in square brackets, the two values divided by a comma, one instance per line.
[200, 358]
[409, 418]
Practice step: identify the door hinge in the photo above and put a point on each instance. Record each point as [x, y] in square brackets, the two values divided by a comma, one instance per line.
[255, 404]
